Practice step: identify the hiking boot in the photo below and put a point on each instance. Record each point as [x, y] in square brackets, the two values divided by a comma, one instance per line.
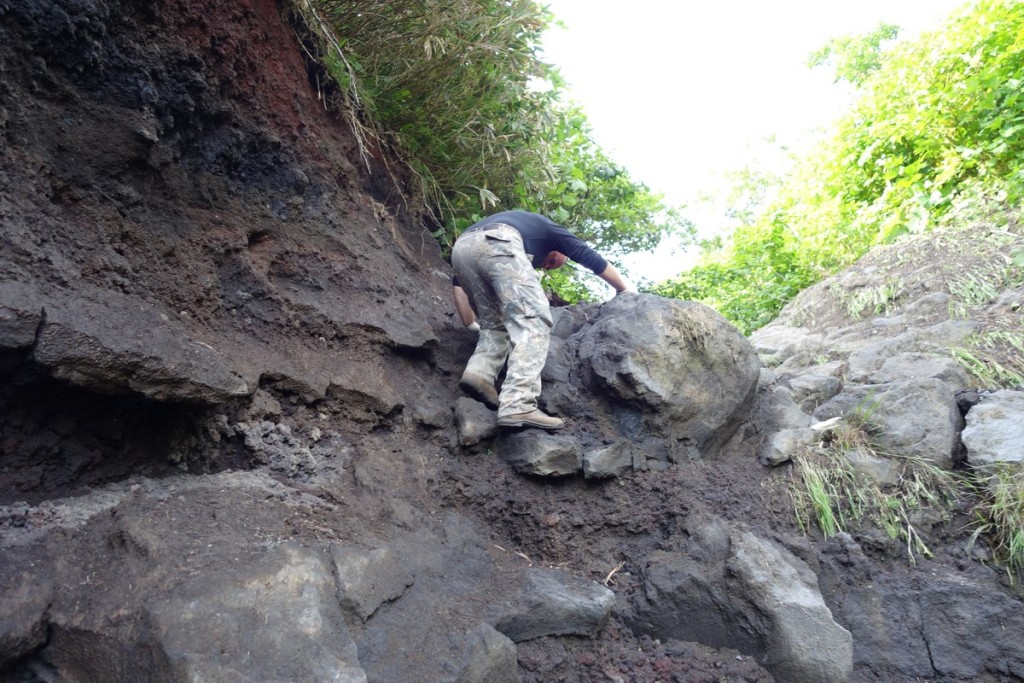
[534, 418]
[479, 388]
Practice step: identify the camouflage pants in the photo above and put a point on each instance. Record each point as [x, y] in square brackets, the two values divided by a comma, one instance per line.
[515, 320]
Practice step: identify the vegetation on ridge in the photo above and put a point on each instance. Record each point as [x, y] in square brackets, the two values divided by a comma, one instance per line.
[460, 93]
[937, 129]
[1000, 518]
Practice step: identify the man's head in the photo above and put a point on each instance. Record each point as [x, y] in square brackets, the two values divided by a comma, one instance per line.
[553, 261]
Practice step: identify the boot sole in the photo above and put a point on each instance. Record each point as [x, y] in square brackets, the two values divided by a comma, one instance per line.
[529, 423]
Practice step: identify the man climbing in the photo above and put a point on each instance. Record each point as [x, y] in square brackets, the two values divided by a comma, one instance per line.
[494, 262]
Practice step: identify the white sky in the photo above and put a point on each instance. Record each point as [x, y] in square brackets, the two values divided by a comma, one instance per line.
[677, 90]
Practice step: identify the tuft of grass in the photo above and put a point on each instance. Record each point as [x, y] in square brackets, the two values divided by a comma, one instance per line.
[974, 289]
[827, 493]
[1002, 269]
[830, 493]
[1000, 519]
[878, 299]
[994, 358]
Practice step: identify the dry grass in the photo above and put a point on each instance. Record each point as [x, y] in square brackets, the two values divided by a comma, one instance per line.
[1000, 518]
[831, 493]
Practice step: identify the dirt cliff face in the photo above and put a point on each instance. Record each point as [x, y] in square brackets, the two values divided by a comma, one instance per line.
[178, 155]
[178, 152]
[178, 204]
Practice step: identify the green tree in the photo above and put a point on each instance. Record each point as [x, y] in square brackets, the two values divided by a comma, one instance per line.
[935, 119]
[458, 90]
[855, 58]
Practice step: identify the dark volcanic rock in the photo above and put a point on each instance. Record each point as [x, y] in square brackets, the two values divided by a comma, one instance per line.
[549, 604]
[672, 369]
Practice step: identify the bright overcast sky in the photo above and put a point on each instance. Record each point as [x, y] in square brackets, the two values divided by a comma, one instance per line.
[677, 90]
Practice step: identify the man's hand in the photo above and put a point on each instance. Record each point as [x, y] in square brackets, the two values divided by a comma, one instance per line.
[618, 283]
[474, 326]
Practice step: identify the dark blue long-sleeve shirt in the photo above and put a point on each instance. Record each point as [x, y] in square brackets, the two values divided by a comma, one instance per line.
[541, 235]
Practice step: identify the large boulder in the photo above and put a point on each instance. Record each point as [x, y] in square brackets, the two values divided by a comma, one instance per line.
[779, 342]
[921, 365]
[243, 602]
[804, 643]
[816, 385]
[731, 588]
[668, 368]
[912, 418]
[278, 620]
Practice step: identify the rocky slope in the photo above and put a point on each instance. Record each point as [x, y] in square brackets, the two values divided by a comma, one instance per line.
[231, 447]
